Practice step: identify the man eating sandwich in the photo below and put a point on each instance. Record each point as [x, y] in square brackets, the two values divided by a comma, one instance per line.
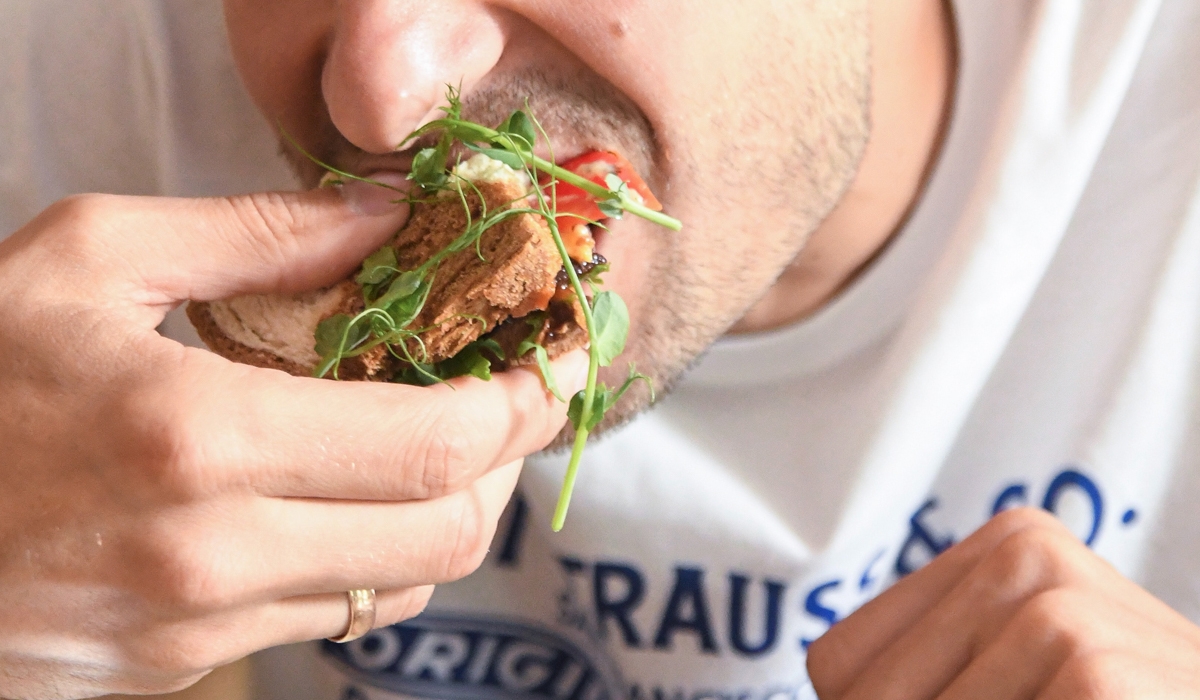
[921, 350]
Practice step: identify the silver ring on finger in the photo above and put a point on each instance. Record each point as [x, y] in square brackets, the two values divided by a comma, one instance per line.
[362, 615]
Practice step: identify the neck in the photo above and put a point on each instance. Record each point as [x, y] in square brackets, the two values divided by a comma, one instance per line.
[912, 64]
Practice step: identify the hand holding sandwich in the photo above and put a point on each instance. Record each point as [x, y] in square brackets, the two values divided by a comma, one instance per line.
[166, 510]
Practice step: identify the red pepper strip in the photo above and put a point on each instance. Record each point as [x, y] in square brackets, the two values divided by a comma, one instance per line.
[577, 207]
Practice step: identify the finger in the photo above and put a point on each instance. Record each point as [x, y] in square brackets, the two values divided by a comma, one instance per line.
[221, 558]
[926, 658]
[305, 618]
[193, 646]
[1029, 651]
[1057, 630]
[272, 434]
[168, 250]
[843, 653]
[336, 546]
[1128, 674]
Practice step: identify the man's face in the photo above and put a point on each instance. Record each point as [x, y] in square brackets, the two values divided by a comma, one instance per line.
[746, 118]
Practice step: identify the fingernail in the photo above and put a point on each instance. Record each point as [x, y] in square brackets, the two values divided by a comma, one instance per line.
[576, 370]
[380, 196]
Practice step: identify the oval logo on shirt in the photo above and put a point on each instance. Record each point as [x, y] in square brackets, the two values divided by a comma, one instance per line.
[457, 657]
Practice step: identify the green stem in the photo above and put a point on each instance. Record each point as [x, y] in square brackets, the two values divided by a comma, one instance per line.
[589, 391]
[560, 173]
[568, 487]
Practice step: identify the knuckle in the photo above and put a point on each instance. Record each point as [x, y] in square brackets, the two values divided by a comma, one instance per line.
[161, 444]
[1016, 519]
[81, 210]
[272, 221]
[183, 465]
[1057, 615]
[181, 570]
[78, 222]
[171, 454]
[1026, 559]
[470, 536]
[444, 459]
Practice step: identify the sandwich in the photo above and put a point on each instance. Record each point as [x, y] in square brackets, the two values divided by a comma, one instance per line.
[496, 268]
[507, 289]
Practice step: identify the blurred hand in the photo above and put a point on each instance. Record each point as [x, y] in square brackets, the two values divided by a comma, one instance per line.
[1021, 609]
[164, 511]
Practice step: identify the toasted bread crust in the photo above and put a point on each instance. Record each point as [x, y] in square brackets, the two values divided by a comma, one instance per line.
[199, 313]
[375, 364]
[510, 272]
[469, 296]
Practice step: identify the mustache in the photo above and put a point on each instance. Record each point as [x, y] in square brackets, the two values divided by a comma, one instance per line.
[577, 115]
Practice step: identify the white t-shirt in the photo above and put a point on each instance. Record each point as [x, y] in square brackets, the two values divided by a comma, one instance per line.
[1030, 337]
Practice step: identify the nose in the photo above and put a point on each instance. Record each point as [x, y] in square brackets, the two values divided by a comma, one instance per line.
[389, 62]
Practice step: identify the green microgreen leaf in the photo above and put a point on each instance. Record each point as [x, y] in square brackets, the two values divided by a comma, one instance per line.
[543, 365]
[334, 337]
[378, 267]
[491, 346]
[429, 168]
[603, 400]
[612, 208]
[470, 361]
[593, 276]
[330, 332]
[405, 285]
[473, 360]
[617, 203]
[575, 409]
[537, 322]
[611, 319]
[519, 125]
[418, 374]
[406, 305]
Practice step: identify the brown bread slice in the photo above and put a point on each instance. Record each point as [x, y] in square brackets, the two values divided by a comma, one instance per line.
[508, 275]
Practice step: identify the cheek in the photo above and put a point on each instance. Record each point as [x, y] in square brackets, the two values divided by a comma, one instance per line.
[279, 47]
[635, 248]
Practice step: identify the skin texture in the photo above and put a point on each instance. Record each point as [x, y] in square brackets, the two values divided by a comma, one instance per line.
[166, 511]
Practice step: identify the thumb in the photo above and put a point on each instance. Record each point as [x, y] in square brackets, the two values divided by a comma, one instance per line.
[213, 248]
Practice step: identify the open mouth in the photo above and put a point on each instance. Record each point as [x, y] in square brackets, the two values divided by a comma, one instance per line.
[581, 217]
